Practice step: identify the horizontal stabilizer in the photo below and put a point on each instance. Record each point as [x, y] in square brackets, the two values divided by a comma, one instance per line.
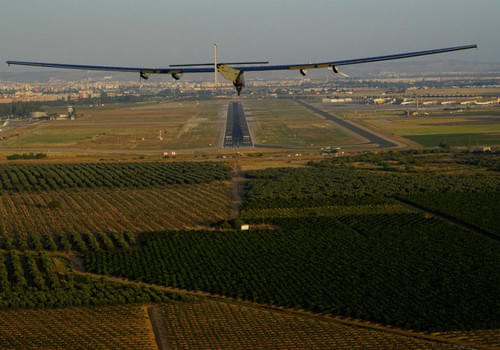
[211, 64]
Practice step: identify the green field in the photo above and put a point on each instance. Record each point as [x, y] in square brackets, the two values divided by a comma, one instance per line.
[284, 122]
[469, 128]
[456, 139]
[437, 126]
[133, 126]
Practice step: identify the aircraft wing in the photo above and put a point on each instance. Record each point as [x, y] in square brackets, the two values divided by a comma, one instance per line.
[179, 69]
[354, 61]
[145, 70]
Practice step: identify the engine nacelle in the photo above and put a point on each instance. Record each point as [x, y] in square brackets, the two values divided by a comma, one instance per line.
[176, 76]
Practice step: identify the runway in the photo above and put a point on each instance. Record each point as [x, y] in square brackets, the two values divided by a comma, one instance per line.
[237, 134]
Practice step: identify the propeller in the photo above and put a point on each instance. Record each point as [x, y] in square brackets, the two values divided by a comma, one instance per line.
[337, 71]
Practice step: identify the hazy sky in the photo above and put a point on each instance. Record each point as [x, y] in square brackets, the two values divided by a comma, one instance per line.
[160, 32]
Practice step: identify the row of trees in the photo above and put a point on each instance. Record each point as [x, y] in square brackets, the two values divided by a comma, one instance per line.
[330, 185]
[70, 241]
[32, 281]
[56, 176]
[31, 155]
[19, 109]
[23, 109]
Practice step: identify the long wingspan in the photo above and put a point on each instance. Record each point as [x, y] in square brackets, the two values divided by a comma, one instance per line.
[235, 74]
[182, 69]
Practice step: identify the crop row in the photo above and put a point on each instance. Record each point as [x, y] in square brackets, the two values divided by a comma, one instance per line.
[218, 325]
[32, 281]
[338, 210]
[109, 327]
[114, 210]
[399, 269]
[70, 241]
[323, 185]
[42, 177]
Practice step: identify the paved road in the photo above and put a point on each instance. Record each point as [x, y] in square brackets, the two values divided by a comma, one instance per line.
[237, 133]
[372, 138]
[104, 150]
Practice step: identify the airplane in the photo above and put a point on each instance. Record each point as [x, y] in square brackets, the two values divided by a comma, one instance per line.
[234, 71]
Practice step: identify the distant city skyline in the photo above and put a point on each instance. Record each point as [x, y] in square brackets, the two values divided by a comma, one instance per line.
[158, 33]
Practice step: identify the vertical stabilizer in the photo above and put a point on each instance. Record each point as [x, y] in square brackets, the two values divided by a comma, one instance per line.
[216, 82]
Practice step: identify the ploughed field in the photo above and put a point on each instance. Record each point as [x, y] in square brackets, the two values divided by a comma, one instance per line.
[116, 327]
[206, 324]
[342, 244]
[196, 324]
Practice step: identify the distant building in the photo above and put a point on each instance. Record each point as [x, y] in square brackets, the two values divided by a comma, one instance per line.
[337, 100]
[486, 102]
[39, 115]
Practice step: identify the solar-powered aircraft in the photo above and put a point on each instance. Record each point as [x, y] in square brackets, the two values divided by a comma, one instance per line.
[234, 71]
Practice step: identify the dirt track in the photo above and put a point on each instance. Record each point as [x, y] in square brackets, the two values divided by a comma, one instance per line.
[159, 328]
[158, 323]
[238, 184]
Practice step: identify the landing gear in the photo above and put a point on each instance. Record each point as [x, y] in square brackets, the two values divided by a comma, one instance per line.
[239, 83]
